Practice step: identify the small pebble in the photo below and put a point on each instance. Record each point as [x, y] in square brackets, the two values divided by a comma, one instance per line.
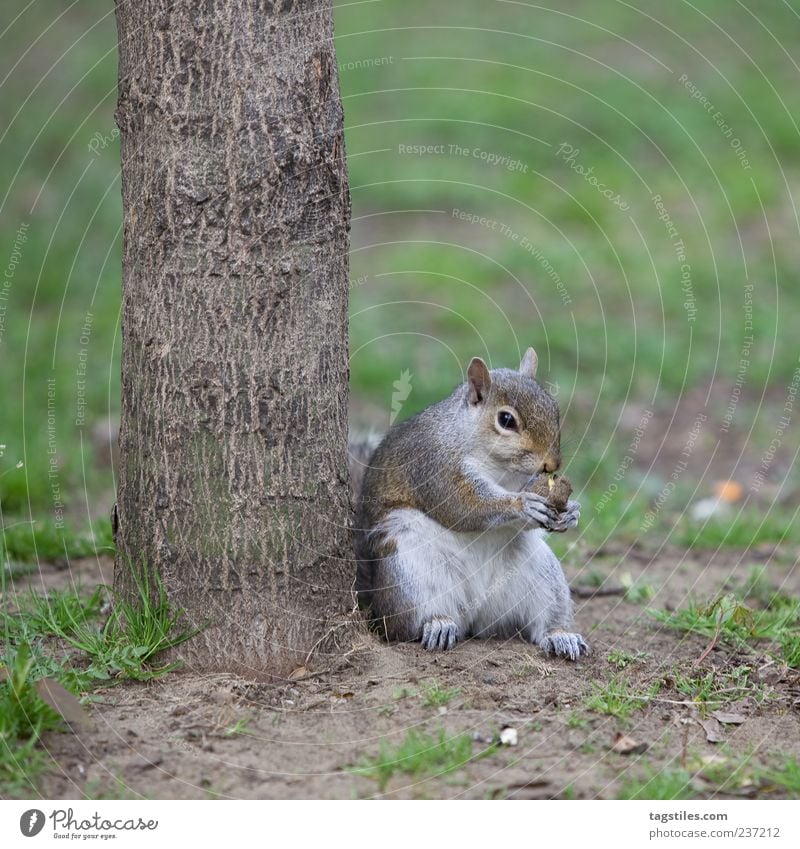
[509, 737]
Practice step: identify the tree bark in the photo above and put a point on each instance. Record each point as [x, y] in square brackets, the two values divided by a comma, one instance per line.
[233, 483]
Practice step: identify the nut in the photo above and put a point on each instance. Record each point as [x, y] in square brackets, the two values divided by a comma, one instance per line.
[555, 489]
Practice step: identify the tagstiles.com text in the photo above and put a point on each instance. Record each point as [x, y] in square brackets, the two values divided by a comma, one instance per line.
[679, 827]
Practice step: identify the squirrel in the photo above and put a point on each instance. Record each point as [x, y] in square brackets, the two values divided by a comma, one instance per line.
[449, 539]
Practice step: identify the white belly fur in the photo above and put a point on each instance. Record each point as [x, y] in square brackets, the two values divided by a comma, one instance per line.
[493, 582]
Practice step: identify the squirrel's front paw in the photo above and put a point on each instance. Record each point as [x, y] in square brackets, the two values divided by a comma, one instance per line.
[439, 634]
[568, 519]
[563, 644]
[537, 511]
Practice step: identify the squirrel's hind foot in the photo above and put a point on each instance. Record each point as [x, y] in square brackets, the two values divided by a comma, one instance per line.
[563, 644]
[439, 634]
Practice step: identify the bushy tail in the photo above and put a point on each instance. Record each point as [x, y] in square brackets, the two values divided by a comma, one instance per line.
[359, 453]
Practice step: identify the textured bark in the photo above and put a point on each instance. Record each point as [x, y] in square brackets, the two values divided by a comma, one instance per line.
[233, 481]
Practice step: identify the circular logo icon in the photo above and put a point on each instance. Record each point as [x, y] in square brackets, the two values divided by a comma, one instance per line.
[31, 822]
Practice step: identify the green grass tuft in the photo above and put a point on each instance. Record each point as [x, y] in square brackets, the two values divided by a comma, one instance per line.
[729, 619]
[616, 698]
[620, 659]
[784, 778]
[24, 718]
[664, 785]
[136, 631]
[716, 688]
[57, 614]
[434, 695]
[62, 636]
[418, 755]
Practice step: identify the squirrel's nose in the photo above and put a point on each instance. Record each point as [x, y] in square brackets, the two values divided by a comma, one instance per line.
[552, 463]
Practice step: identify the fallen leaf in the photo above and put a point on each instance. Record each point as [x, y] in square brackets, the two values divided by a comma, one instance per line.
[62, 701]
[728, 718]
[297, 674]
[625, 745]
[712, 729]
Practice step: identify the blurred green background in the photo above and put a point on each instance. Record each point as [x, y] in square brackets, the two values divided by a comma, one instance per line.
[604, 181]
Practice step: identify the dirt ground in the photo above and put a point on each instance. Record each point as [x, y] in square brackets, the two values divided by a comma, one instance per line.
[171, 738]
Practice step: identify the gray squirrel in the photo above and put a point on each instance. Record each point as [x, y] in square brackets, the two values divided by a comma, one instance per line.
[449, 539]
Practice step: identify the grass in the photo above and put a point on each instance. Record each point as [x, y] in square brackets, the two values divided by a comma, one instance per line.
[32, 542]
[58, 614]
[418, 755]
[621, 659]
[784, 778]
[239, 727]
[617, 698]
[434, 289]
[747, 529]
[711, 777]
[136, 631]
[636, 592]
[790, 649]
[62, 637]
[715, 688]
[756, 587]
[674, 783]
[24, 718]
[728, 619]
[780, 778]
[434, 695]
[575, 720]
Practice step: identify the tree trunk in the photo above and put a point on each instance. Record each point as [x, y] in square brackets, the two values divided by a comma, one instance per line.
[233, 482]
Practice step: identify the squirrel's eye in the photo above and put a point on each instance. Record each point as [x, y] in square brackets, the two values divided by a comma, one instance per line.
[506, 420]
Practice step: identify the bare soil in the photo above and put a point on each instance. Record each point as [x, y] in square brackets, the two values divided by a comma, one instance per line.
[171, 738]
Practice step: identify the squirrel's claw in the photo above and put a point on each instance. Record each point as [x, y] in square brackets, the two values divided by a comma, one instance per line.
[563, 644]
[439, 634]
[538, 511]
[568, 519]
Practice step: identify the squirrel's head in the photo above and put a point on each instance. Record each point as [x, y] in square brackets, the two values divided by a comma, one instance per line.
[516, 419]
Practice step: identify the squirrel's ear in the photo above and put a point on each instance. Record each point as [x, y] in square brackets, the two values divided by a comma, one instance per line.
[479, 380]
[529, 364]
